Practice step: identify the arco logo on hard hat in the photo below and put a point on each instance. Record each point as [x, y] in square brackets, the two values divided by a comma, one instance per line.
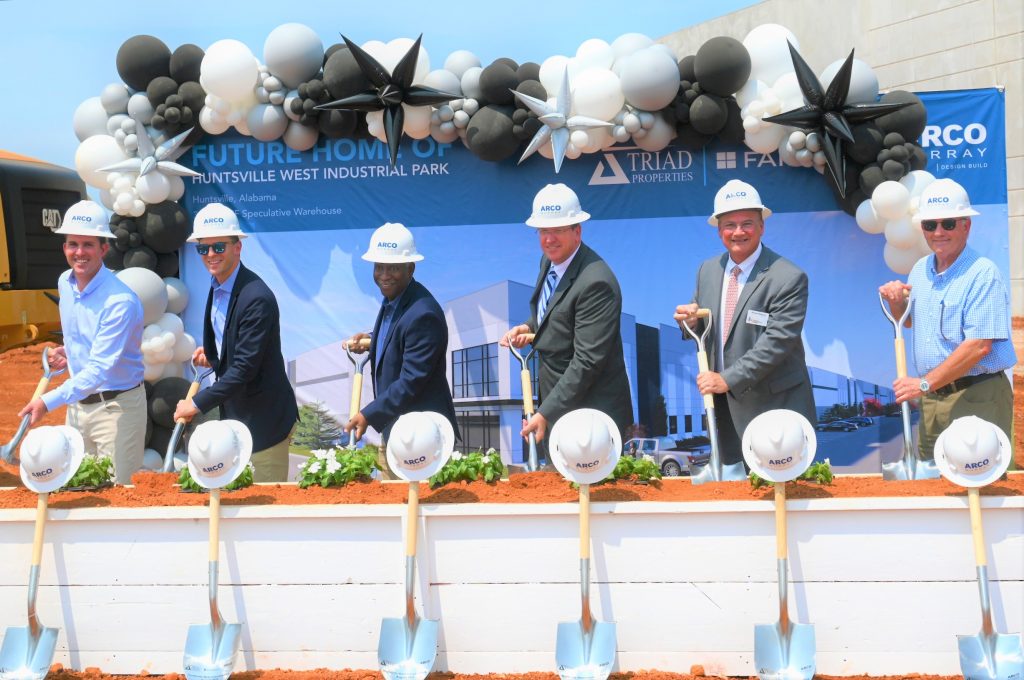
[736, 194]
[416, 463]
[980, 466]
[386, 244]
[214, 468]
[45, 473]
[780, 463]
[551, 208]
[213, 220]
[938, 199]
[81, 218]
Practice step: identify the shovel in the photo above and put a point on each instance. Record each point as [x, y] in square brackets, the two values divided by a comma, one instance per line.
[7, 450]
[531, 461]
[783, 650]
[28, 652]
[585, 649]
[714, 471]
[180, 423]
[909, 466]
[358, 360]
[210, 649]
[408, 645]
[988, 655]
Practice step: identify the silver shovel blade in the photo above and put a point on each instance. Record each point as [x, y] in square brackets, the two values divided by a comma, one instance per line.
[583, 657]
[23, 657]
[784, 657]
[915, 468]
[401, 658]
[733, 472]
[209, 657]
[999, 657]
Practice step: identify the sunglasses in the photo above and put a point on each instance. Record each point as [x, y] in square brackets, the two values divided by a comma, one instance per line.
[219, 247]
[948, 224]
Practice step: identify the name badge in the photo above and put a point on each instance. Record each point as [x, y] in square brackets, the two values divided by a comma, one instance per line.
[757, 318]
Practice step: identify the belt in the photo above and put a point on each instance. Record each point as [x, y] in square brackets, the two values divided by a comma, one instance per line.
[963, 383]
[105, 396]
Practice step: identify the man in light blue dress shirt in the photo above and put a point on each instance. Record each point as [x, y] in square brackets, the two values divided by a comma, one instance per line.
[101, 319]
[961, 317]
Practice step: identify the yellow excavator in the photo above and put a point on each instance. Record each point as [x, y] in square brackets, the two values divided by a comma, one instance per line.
[33, 198]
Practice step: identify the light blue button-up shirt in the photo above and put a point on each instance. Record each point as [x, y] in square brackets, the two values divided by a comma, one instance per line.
[219, 307]
[102, 328]
[968, 301]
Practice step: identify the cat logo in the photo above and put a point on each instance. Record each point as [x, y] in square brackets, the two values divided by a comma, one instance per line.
[51, 218]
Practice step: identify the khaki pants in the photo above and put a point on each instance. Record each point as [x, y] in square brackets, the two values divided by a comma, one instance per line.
[271, 464]
[114, 428]
[991, 400]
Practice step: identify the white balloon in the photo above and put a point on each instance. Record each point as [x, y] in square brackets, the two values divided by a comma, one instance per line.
[149, 332]
[552, 71]
[471, 82]
[767, 139]
[177, 187]
[461, 119]
[597, 139]
[916, 180]
[444, 80]
[300, 137]
[628, 43]
[90, 119]
[184, 348]
[750, 92]
[375, 124]
[787, 154]
[156, 346]
[139, 108]
[470, 106]
[901, 233]
[172, 369]
[149, 288]
[620, 133]
[152, 371]
[900, 260]
[459, 61]
[138, 208]
[114, 98]
[597, 93]
[594, 53]
[171, 324]
[863, 81]
[785, 93]
[153, 187]
[658, 136]
[294, 53]
[891, 200]
[650, 79]
[212, 121]
[165, 355]
[114, 122]
[579, 138]
[267, 122]
[631, 122]
[229, 70]
[106, 199]
[94, 153]
[798, 140]
[769, 53]
[445, 133]
[177, 294]
[417, 121]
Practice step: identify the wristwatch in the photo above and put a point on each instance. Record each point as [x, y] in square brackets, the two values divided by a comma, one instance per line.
[924, 386]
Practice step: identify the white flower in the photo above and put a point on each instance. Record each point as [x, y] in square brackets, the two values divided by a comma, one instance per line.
[456, 455]
[333, 466]
[314, 468]
[648, 457]
[491, 451]
[320, 454]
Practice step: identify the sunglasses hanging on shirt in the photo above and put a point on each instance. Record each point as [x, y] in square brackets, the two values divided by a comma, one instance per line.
[932, 225]
[219, 247]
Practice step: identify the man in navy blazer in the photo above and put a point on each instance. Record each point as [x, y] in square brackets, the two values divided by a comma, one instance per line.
[242, 343]
[409, 344]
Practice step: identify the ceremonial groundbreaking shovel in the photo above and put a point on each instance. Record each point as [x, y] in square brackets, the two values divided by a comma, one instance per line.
[28, 652]
[524, 374]
[909, 466]
[180, 423]
[358, 361]
[714, 471]
[7, 450]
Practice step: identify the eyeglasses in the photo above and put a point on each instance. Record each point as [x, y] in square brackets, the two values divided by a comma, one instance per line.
[219, 247]
[949, 224]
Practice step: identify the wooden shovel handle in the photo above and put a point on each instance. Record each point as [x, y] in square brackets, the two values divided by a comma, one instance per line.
[901, 358]
[584, 521]
[37, 537]
[412, 519]
[193, 390]
[703, 367]
[214, 525]
[357, 393]
[362, 343]
[977, 530]
[780, 521]
[702, 313]
[527, 391]
[40, 388]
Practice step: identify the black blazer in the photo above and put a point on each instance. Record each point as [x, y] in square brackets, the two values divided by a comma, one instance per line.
[411, 373]
[252, 385]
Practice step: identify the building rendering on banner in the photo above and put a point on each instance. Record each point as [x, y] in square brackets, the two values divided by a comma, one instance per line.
[487, 390]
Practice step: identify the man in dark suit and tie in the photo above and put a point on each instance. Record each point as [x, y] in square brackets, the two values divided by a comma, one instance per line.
[758, 300]
[242, 343]
[409, 344]
[576, 311]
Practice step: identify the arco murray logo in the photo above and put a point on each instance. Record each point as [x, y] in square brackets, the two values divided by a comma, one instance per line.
[415, 461]
[587, 466]
[980, 465]
[938, 199]
[387, 244]
[213, 468]
[956, 145]
[554, 207]
[213, 220]
[780, 461]
[81, 218]
[44, 473]
[735, 194]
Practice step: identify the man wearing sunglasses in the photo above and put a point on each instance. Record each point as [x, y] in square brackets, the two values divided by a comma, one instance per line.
[242, 343]
[961, 318]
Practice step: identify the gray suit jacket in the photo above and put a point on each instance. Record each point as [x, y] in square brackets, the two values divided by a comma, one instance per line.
[579, 342]
[764, 365]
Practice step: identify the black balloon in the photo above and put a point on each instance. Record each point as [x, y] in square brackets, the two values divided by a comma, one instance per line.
[149, 424]
[342, 75]
[708, 114]
[893, 170]
[185, 62]
[527, 71]
[336, 124]
[867, 142]
[722, 65]
[160, 88]
[870, 177]
[142, 58]
[489, 134]
[733, 130]
[511, 63]
[686, 68]
[908, 121]
[140, 257]
[114, 259]
[160, 438]
[193, 95]
[531, 88]
[690, 138]
[134, 239]
[497, 82]
[121, 240]
[167, 264]
[918, 158]
[329, 52]
[519, 116]
[164, 227]
[167, 392]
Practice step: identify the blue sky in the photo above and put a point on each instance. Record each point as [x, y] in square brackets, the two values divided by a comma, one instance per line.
[56, 53]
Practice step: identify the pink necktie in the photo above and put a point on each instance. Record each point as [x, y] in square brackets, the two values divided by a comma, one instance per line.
[732, 292]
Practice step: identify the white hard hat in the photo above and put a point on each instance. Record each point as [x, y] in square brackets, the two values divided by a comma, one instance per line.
[85, 218]
[218, 451]
[779, 445]
[392, 243]
[420, 444]
[944, 198]
[556, 205]
[737, 195]
[972, 452]
[585, 445]
[50, 457]
[215, 220]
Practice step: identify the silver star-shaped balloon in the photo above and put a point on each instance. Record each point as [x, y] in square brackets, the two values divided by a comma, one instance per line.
[558, 124]
[152, 157]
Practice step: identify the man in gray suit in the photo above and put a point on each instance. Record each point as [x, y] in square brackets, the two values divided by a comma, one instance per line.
[758, 300]
[575, 313]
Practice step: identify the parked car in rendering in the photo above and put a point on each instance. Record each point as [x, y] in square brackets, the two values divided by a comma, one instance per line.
[672, 459]
[861, 421]
[836, 426]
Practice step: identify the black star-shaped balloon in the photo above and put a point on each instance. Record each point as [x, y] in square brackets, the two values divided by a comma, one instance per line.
[388, 91]
[828, 113]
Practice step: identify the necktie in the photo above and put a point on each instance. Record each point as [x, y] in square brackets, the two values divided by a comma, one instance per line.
[732, 292]
[550, 283]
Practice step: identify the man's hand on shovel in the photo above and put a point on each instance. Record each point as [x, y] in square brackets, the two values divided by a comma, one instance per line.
[358, 343]
[35, 409]
[519, 336]
[57, 358]
[357, 422]
[537, 424]
[185, 409]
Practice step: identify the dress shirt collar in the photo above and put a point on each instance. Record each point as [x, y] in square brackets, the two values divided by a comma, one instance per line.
[101, 276]
[560, 269]
[747, 265]
[229, 283]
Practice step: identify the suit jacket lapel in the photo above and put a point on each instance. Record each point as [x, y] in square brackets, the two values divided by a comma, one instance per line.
[403, 304]
[718, 273]
[756, 278]
[209, 339]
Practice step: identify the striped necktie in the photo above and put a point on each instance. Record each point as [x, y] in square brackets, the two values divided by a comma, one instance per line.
[550, 283]
[731, 294]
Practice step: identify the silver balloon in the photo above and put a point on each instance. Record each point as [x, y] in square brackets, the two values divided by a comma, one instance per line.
[650, 79]
[460, 61]
[293, 53]
[90, 119]
[300, 137]
[266, 122]
[139, 107]
[114, 98]
[471, 82]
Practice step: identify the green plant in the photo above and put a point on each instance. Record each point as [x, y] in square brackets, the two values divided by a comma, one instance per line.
[189, 484]
[93, 472]
[470, 467]
[317, 428]
[642, 469]
[819, 473]
[840, 411]
[338, 467]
